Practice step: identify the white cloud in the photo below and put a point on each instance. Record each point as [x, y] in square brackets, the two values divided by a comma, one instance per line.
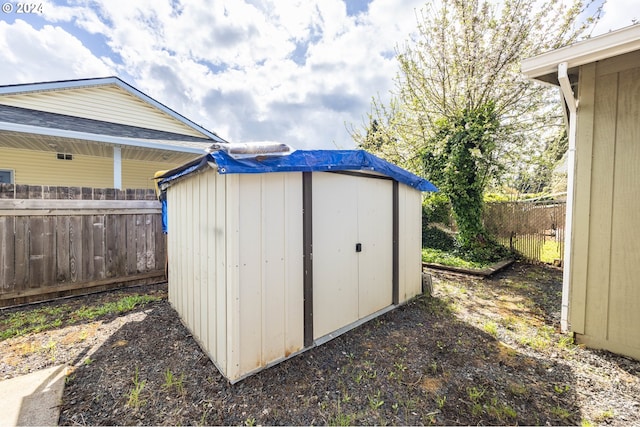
[617, 14]
[30, 55]
[294, 71]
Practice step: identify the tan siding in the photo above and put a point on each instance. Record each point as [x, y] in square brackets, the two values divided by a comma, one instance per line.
[106, 103]
[624, 318]
[607, 236]
[582, 194]
[137, 174]
[41, 168]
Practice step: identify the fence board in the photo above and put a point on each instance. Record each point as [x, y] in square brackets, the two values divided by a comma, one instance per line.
[49, 252]
[7, 253]
[51, 247]
[75, 248]
[21, 253]
[63, 250]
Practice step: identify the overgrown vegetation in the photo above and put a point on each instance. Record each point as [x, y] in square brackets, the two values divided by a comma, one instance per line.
[24, 322]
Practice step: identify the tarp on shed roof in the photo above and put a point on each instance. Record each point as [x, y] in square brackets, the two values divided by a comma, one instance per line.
[304, 161]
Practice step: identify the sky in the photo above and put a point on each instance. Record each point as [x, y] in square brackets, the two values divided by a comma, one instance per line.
[300, 72]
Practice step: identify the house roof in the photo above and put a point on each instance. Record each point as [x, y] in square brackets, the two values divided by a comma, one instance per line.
[52, 86]
[544, 67]
[302, 161]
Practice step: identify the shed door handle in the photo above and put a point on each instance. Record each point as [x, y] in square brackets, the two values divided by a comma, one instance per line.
[358, 247]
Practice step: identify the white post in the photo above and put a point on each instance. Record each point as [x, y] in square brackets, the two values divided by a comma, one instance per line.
[117, 167]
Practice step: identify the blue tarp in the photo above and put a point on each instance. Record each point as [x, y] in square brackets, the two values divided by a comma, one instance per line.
[306, 161]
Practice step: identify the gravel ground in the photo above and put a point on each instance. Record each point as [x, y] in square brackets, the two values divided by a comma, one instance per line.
[477, 352]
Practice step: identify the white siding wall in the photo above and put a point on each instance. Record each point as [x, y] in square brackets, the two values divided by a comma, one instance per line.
[235, 266]
[271, 268]
[410, 250]
[198, 261]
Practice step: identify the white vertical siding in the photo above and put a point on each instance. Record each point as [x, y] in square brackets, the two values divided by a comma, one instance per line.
[410, 248]
[335, 262]
[197, 260]
[271, 270]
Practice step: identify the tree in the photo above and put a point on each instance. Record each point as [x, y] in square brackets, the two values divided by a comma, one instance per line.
[463, 65]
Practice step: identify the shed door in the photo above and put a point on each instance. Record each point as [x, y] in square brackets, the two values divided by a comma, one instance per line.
[349, 285]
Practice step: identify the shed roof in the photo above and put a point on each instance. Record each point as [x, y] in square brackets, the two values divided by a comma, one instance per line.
[303, 161]
[544, 67]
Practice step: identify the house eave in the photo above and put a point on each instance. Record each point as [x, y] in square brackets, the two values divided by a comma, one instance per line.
[130, 142]
[544, 67]
[104, 81]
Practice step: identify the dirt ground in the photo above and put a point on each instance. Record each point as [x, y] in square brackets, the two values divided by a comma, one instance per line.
[478, 352]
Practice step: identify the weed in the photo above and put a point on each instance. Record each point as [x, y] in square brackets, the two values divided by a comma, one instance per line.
[51, 349]
[518, 389]
[500, 410]
[346, 398]
[603, 416]
[585, 423]
[134, 394]
[441, 400]
[249, 422]
[566, 342]
[341, 419]
[491, 328]
[402, 349]
[434, 367]
[171, 380]
[399, 366]
[561, 389]
[475, 393]
[88, 361]
[375, 402]
[395, 407]
[561, 413]
[476, 410]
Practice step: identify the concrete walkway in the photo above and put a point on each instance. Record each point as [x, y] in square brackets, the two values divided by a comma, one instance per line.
[33, 399]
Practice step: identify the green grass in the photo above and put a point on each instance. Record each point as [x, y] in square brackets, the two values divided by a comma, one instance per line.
[437, 256]
[550, 252]
[36, 320]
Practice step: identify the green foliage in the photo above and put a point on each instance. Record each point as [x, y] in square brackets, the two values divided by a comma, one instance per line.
[436, 208]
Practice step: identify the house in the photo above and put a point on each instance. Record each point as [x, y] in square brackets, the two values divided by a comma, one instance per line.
[271, 255]
[599, 79]
[98, 132]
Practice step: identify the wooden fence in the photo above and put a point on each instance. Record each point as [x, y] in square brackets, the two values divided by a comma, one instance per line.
[51, 247]
[533, 229]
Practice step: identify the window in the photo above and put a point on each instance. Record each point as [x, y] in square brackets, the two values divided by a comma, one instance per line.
[6, 176]
[64, 156]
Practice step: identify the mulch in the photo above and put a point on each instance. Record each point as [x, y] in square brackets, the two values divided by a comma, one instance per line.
[478, 352]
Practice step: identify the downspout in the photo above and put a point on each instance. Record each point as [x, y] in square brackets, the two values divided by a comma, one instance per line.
[572, 105]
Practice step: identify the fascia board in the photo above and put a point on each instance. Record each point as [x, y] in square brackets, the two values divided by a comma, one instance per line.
[584, 52]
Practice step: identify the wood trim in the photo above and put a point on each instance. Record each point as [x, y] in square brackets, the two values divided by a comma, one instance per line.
[396, 243]
[307, 243]
[67, 212]
[159, 274]
[39, 204]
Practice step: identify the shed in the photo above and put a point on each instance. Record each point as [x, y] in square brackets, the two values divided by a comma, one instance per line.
[600, 83]
[272, 255]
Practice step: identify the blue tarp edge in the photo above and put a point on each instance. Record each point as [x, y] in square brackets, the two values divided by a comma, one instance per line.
[310, 161]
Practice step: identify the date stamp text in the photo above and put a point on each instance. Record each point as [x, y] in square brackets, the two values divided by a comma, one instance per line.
[9, 7]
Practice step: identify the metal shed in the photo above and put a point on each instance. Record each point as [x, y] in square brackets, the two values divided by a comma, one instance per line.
[273, 255]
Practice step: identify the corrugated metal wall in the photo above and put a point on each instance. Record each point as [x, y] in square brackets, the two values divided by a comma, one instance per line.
[606, 237]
